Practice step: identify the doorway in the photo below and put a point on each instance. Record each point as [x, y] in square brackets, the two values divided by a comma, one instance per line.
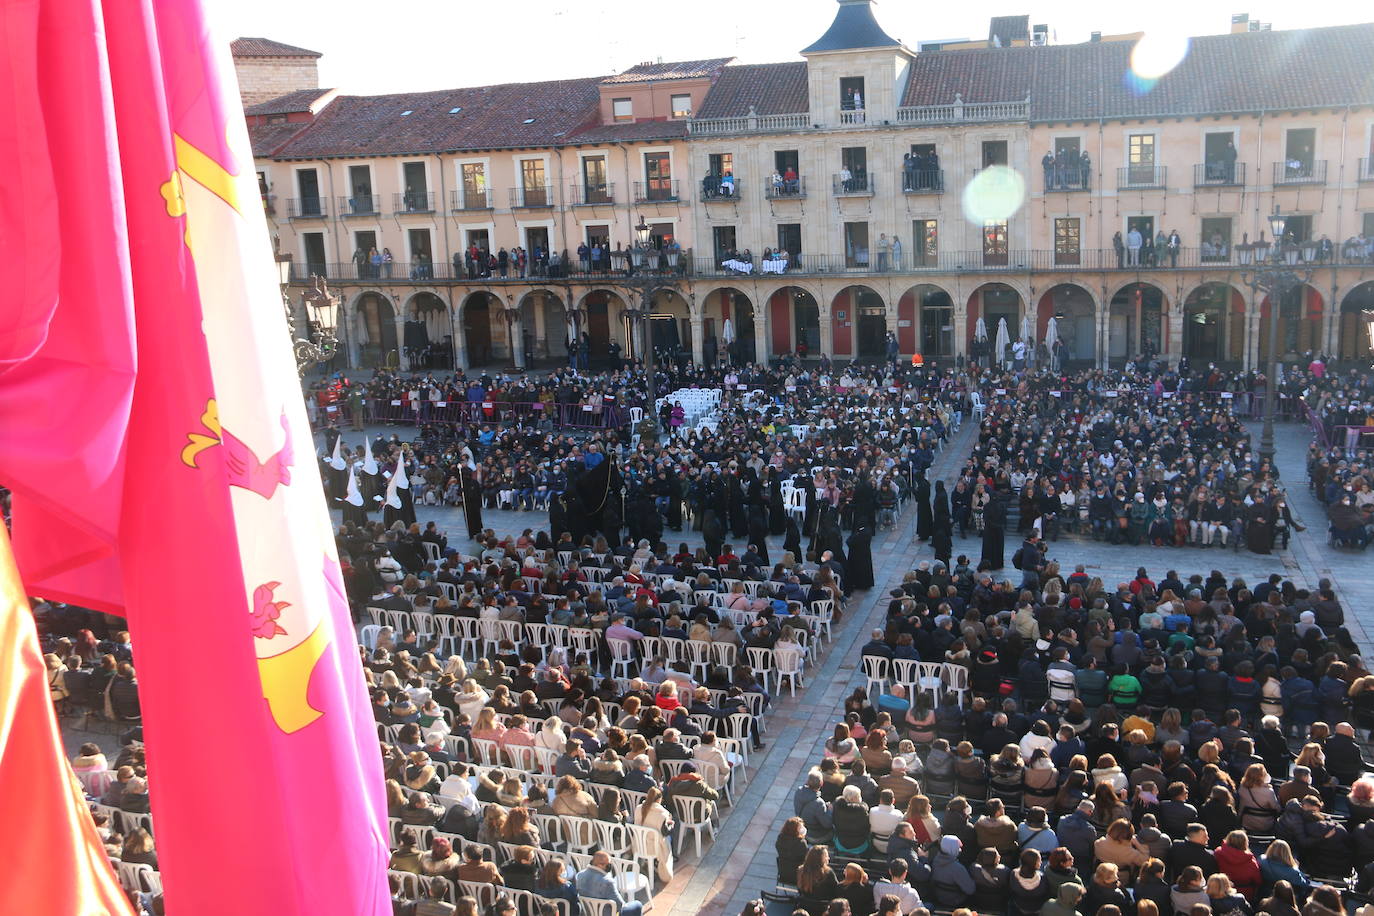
[313, 245]
[872, 327]
[360, 181]
[477, 330]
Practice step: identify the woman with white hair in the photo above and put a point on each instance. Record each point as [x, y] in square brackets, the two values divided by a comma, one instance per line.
[852, 830]
[471, 700]
[456, 668]
[551, 735]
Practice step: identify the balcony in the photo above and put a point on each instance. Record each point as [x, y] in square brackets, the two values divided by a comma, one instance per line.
[1141, 177]
[307, 208]
[751, 124]
[1366, 170]
[1068, 178]
[360, 205]
[591, 195]
[1219, 174]
[923, 181]
[1296, 171]
[783, 189]
[854, 186]
[853, 116]
[713, 190]
[269, 204]
[656, 190]
[964, 112]
[469, 200]
[530, 198]
[413, 202]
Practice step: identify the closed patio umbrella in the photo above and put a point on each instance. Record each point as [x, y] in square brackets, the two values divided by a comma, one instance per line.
[980, 330]
[1003, 338]
[1051, 338]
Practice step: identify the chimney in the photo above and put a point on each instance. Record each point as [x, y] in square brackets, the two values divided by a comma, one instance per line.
[1240, 22]
[1095, 37]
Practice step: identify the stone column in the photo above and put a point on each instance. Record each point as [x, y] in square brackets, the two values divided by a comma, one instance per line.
[517, 340]
[460, 339]
[400, 339]
[698, 338]
[1175, 333]
[1102, 332]
[827, 329]
[761, 340]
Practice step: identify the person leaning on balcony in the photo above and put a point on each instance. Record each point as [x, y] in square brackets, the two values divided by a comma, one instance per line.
[1134, 241]
[1174, 243]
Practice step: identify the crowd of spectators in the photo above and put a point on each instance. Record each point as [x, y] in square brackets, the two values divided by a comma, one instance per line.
[1094, 752]
[1340, 475]
[1140, 457]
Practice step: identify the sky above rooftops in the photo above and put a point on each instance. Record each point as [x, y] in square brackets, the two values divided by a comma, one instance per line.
[423, 46]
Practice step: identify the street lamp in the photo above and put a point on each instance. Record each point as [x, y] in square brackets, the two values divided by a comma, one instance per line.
[646, 283]
[511, 315]
[1276, 280]
[322, 319]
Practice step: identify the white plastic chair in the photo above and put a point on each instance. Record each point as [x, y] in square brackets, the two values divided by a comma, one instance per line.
[368, 636]
[956, 682]
[761, 660]
[622, 657]
[929, 680]
[876, 673]
[979, 408]
[699, 655]
[694, 814]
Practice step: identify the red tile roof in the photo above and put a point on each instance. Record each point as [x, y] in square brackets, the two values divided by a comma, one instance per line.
[627, 132]
[291, 103]
[1250, 71]
[266, 47]
[672, 70]
[770, 88]
[268, 138]
[491, 117]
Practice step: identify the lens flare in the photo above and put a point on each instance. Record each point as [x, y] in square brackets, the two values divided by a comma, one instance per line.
[1156, 53]
[994, 194]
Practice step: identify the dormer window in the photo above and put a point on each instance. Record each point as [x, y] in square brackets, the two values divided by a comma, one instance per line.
[852, 97]
[622, 110]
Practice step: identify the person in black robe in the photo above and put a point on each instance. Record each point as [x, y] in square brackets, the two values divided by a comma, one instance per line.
[1259, 527]
[558, 517]
[674, 501]
[734, 496]
[574, 515]
[777, 511]
[942, 526]
[864, 505]
[994, 523]
[713, 533]
[811, 519]
[859, 567]
[599, 488]
[472, 499]
[758, 532]
[792, 542]
[830, 537]
[924, 519]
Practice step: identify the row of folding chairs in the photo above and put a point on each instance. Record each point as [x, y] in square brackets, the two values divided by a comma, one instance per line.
[936, 678]
[123, 822]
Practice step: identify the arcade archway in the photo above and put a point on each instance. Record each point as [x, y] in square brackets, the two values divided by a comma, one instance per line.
[1214, 324]
[1355, 336]
[1135, 323]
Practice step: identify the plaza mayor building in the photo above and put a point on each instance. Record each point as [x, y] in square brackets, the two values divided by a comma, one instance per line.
[813, 206]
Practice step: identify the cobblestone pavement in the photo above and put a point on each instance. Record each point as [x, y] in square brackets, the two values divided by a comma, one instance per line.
[741, 862]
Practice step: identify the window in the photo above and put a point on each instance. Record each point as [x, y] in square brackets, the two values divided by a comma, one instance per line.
[658, 177]
[599, 235]
[1369, 225]
[854, 160]
[789, 238]
[421, 256]
[262, 183]
[682, 106]
[594, 187]
[1070, 168]
[723, 241]
[856, 245]
[537, 238]
[994, 152]
[1140, 159]
[536, 193]
[720, 164]
[925, 243]
[852, 96]
[921, 169]
[937, 321]
[1299, 145]
[416, 186]
[1214, 242]
[1298, 229]
[308, 186]
[995, 243]
[360, 184]
[1219, 156]
[312, 243]
[1066, 250]
[474, 186]
[622, 110]
[364, 243]
[786, 180]
[785, 160]
[479, 238]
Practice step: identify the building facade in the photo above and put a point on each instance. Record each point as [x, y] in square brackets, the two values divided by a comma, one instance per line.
[914, 192]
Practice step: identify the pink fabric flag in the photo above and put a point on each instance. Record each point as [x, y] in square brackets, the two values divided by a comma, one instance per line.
[266, 777]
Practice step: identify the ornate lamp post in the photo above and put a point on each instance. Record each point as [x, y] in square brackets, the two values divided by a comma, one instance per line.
[512, 316]
[1276, 279]
[322, 318]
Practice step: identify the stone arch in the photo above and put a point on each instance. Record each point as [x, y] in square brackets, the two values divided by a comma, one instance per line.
[374, 329]
[725, 301]
[1074, 309]
[1138, 319]
[925, 321]
[862, 331]
[671, 324]
[794, 319]
[1213, 323]
[1300, 323]
[602, 313]
[1353, 329]
[993, 301]
[482, 327]
[544, 326]
[428, 331]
